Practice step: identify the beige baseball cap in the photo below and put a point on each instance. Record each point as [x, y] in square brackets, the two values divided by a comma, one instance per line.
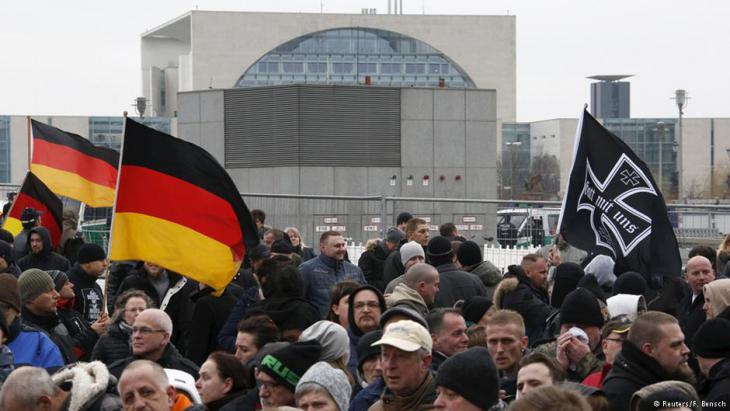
[406, 335]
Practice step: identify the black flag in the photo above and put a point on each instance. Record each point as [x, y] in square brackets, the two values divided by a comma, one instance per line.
[612, 206]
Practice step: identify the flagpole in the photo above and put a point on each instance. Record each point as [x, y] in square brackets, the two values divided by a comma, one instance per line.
[12, 206]
[114, 207]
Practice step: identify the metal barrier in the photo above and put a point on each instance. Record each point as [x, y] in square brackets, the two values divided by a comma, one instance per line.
[504, 257]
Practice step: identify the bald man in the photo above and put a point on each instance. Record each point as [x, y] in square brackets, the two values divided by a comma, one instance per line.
[144, 385]
[417, 288]
[151, 333]
[690, 313]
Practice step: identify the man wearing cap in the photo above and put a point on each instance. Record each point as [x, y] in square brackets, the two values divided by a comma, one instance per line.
[613, 336]
[90, 265]
[579, 354]
[406, 359]
[411, 253]
[371, 261]
[454, 284]
[455, 382]
[40, 253]
[416, 230]
[712, 348]
[280, 371]
[29, 218]
[469, 259]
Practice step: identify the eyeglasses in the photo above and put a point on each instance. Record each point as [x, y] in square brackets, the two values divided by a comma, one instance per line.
[145, 330]
[370, 304]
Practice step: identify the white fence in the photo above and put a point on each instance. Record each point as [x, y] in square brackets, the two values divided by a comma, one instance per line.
[501, 257]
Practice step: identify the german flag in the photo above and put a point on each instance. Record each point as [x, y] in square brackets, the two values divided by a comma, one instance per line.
[33, 193]
[73, 167]
[178, 208]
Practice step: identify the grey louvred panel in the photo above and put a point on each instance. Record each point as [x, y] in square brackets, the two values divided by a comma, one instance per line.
[308, 125]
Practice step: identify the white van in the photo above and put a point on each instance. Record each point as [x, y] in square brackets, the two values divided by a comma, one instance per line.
[524, 227]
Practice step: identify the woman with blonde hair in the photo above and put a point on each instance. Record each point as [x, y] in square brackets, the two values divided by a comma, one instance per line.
[307, 253]
[114, 344]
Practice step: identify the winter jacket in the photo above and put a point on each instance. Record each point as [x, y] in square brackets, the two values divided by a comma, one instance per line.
[371, 263]
[52, 325]
[227, 335]
[89, 385]
[176, 301]
[70, 224]
[455, 285]
[719, 383]
[19, 244]
[33, 347]
[320, 274]
[89, 296]
[83, 335]
[307, 253]
[209, 315]
[288, 313]
[45, 260]
[596, 379]
[632, 370]
[171, 358]
[421, 399]
[114, 345]
[218, 404]
[590, 363]
[518, 294]
[247, 401]
[392, 267]
[488, 273]
[367, 396]
[691, 315]
[7, 363]
[404, 295]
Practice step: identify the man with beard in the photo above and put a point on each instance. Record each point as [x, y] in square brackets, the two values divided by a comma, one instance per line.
[366, 305]
[653, 351]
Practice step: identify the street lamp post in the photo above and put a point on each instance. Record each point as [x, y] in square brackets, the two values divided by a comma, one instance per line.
[680, 97]
[660, 139]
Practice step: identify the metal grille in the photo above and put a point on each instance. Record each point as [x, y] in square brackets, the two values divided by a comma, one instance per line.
[308, 125]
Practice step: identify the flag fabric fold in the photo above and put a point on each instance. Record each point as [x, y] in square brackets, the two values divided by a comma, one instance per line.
[73, 167]
[33, 193]
[177, 207]
[613, 206]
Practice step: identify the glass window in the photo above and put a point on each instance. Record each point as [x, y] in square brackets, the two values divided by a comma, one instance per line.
[316, 67]
[415, 68]
[391, 68]
[367, 68]
[293, 67]
[341, 68]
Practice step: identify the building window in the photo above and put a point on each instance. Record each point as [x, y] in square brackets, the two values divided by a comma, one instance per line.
[4, 149]
[367, 68]
[293, 67]
[391, 68]
[415, 68]
[317, 68]
[342, 68]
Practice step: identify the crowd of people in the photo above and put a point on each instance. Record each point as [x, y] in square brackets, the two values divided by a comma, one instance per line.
[417, 323]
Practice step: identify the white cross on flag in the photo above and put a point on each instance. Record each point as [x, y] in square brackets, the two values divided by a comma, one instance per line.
[612, 205]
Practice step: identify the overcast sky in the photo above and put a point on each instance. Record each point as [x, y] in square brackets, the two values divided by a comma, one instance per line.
[83, 57]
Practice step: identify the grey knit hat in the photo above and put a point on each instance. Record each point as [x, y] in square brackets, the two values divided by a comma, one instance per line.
[59, 278]
[410, 250]
[333, 338]
[330, 379]
[34, 282]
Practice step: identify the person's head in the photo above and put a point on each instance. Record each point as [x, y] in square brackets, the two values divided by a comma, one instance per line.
[535, 269]
[403, 219]
[613, 335]
[38, 292]
[455, 382]
[294, 237]
[448, 331]
[699, 273]
[6, 255]
[30, 217]
[630, 282]
[152, 269]
[272, 235]
[400, 312]
[439, 251]
[567, 276]
[536, 370]
[666, 396]
[393, 237]
[448, 230]
[10, 301]
[658, 335]
[259, 217]
[551, 398]
[581, 309]
[30, 389]
[332, 337]
[144, 385]
[332, 245]
[706, 251]
[280, 371]
[368, 357]
[506, 339]
[323, 388]
[35, 242]
[711, 343]
[469, 254]
[477, 335]
[411, 253]
[221, 374]
[602, 267]
[253, 333]
[717, 297]
[406, 356]
[424, 279]
[129, 304]
[64, 287]
[257, 255]
[92, 259]
[476, 310]
[279, 277]
[366, 305]
[417, 230]
[339, 297]
[151, 333]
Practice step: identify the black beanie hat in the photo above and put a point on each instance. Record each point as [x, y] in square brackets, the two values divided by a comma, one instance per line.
[281, 247]
[59, 278]
[567, 276]
[581, 307]
[459, 372]
[365, 349]
[6, 252]
[351, 307]
[474, 308]
[469, 253]
[287, 365]
[630, 282]
[6, 236]
[439, 247]
[590, 283]
[90, 252]
[712, 339]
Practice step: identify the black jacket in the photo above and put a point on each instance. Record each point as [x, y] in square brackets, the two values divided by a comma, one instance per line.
[456, 285]
[517, 293]
[219, 403]
[114, 344]
[691, 315]
[392, 267]
[171, 358]
[307, 253]
[371, 263]
[46, 259]
[55, 329]
[83, 335]
[719, 383]
[631, 371]
[179, 306]
[89, 296]
[288, 313]
[209, 315]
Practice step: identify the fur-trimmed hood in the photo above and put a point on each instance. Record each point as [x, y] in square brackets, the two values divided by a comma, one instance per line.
[89, 382]
[506, 286]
